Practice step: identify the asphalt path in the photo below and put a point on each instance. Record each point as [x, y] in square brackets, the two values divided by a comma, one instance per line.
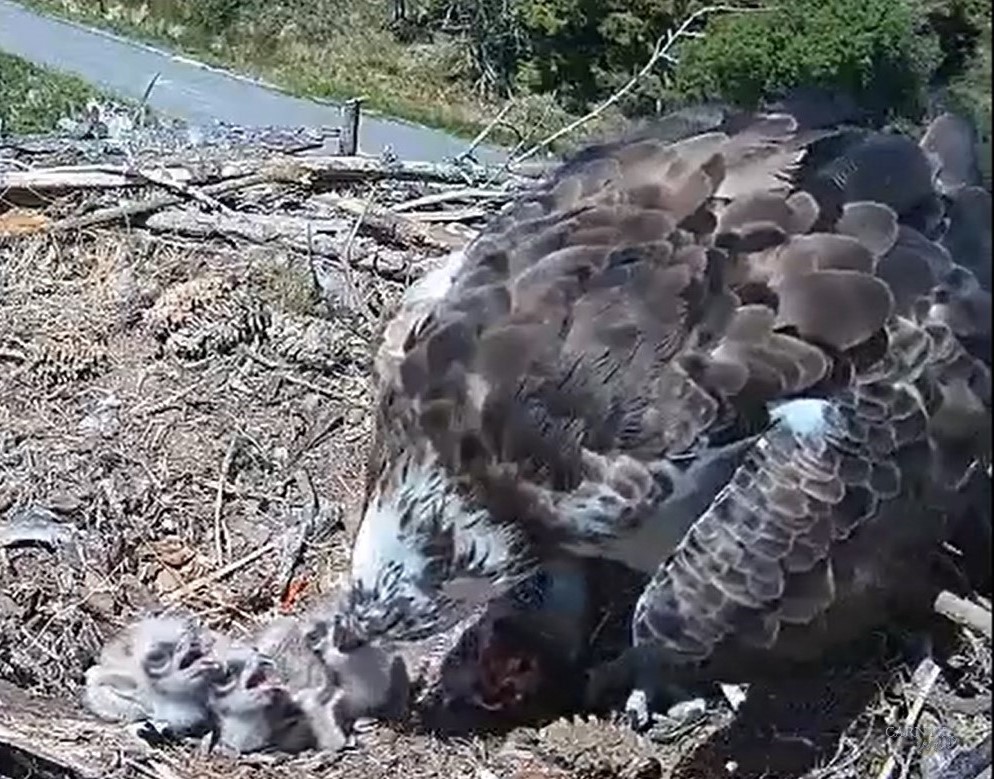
[200, 94]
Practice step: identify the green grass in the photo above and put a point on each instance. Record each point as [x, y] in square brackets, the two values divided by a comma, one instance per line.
[332, 49]
[33, 99]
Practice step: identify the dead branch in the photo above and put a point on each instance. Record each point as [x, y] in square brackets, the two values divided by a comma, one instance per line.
[175, 596]
[326, 171]
[39, 180]
[467, 153]
[361, 302]
[470, 193]
[288, 377]
[320, 172]
[391, 227]
[453, 215]
[909, 722]
[972, 615]
[661, 52]
[134, 209]
[262, 229]
[222, 538]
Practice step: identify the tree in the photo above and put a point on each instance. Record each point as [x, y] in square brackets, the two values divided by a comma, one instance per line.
[879, 51]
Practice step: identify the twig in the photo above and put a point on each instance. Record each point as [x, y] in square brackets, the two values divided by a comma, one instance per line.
[910, 721]
[231, 491]
[169, 402]
[181, 188]
[290, 378]
[661, 51]
[325, 171]
[395, 228]
[140, 109]
[346, 263]
[197, 584]
[480, 136]
[446, 197]
[222, 538]
[963, 612]
[142, 207]
[296, 542]
[453, 215]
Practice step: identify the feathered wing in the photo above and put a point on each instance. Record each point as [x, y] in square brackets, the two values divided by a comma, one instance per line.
[650, 300]
[621, 314]
[834, 509]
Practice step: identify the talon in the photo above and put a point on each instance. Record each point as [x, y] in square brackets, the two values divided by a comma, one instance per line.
[637, 710]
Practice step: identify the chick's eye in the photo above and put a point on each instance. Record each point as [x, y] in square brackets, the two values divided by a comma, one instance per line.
[228, 676]
[157, 659]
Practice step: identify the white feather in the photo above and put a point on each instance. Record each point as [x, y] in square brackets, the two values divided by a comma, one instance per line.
[398, 525]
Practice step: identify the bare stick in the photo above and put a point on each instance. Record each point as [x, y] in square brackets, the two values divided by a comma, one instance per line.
[142, 207]
[181, 188]
[661, 51]
[347, 260]
[452, 215]
[140, 109]
[909, 722]
[480, 136]
[395, 228]
[470, 193]
[290, 378]
[971, 615]
[222, 538]
[198, 584]
[333, 170]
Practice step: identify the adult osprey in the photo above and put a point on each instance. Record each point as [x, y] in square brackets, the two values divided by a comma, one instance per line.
[599, 373]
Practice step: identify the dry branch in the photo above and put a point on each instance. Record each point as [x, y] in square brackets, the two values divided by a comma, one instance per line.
[40, 180]
[260, 229]
[469, 193]
[971, 615]
[390, 227]
[318, 171]
[134, 209]
[338, 170]
[660, 52]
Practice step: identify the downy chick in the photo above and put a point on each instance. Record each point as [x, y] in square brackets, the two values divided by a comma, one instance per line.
[254, 708]
[157, 671]
[367, 680]
[286, 640]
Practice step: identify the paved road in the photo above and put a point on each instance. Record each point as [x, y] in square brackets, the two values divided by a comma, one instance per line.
[197, 93]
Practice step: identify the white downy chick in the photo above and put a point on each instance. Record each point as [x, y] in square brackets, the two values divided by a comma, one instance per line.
[253, 706]
[157, 671]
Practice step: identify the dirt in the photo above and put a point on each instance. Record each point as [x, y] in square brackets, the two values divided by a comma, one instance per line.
[138, 375]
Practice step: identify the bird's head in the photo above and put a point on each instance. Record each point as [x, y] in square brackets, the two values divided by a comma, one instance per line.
[245, 681]
[172, 655]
